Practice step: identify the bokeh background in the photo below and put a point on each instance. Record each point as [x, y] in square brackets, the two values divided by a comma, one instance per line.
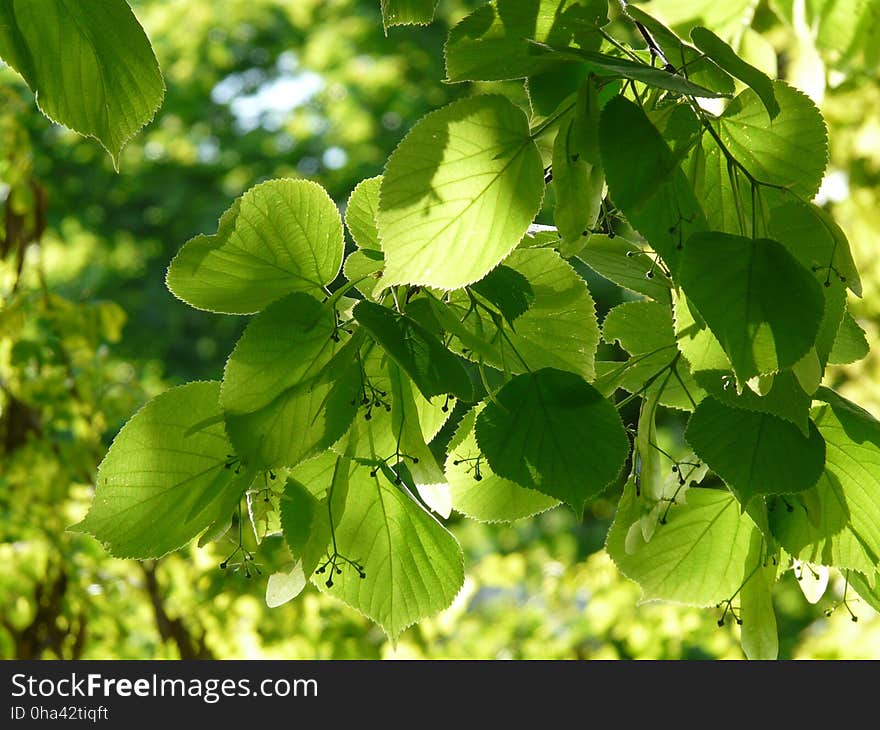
[258, 89]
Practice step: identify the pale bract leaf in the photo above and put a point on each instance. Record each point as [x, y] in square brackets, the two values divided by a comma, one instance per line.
[578, 179]
[411, 444]
[459, 193]
[759, 635]
[281, 236]
[811, 579]
[285, 586]
[90, 65]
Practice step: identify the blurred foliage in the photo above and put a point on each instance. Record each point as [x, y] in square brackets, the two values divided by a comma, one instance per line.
[88, 332]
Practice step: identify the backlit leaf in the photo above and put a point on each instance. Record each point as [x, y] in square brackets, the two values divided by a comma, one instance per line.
[165, 477]
[459, 193]
[90, 65]
[281, 236]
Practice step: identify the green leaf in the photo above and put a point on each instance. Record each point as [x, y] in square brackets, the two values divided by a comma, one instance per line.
[288, 343]
[696, 558]
[494, 42]
[646, 182]
[812, 237]
[850, 344]
[165, 477]
[791, 150]
[785, 398]
[695, 340]
[407, 12]
[290, 385]
[507, 290]
[411, 443]
[625, 264]
[659, 375]
[373, 436]
[727, 58]
[366, 264]
[433, 368]
[578, 179]
[553, 432]
[281, 236]
[727, 18]
[816, 240]
[838, 522]
[360, 213]
[639, 327]
[459, 193]
[305, 526]
[90, 65]
[476, 490]
[759, 636]
[700, 69]
[413, 566]
[644, 329]
[558, 330]
[604, 65]
[869, 591]
[764, 307]
[755, 453]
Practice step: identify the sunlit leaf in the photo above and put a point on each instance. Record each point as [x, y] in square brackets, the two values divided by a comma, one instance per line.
[412, 566]
[281, 236]
[726, 58]
[168, 475]
[459, 193]
[290, 386]
[407, 12]
[360, 213]
[696, 558]
[558, 329]
[493, 42]
[838, 522]
[90, 65]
